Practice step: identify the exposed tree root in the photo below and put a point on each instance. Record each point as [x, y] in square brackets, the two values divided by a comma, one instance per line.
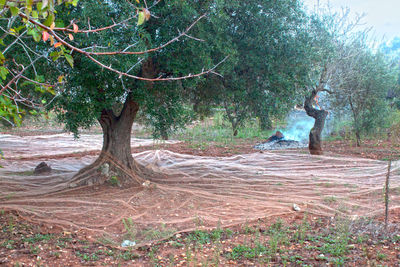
[106, 168]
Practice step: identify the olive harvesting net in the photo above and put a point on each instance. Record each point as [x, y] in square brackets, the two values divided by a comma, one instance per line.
[184, 192]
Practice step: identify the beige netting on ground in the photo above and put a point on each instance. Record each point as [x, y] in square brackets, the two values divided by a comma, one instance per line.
[188, 191]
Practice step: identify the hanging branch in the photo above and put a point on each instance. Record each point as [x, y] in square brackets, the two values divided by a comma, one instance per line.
[123, 52]
[121, 73]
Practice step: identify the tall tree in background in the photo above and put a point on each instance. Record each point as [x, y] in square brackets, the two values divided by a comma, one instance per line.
[267, 44]
[361, 85]
[330, 32]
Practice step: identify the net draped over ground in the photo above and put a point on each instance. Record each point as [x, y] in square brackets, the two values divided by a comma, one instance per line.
[187, 191]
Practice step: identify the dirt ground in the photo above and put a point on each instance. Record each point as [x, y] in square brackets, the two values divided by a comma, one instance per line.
[223, 232]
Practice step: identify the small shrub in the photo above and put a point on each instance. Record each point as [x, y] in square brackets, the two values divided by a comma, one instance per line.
[114, 181]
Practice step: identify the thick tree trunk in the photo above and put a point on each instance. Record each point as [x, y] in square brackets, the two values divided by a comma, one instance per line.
[265, 123]
[117, 135]
[115, 162]
[315, 144]
[358, 138]
[164, 135]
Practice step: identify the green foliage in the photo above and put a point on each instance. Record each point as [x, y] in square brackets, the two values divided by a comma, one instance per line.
[38, 238]
[114, 181]
[90, 90]
[361, 86]
[87, 256]
[10, 112]
[217, 129]
[130, 229]
[242, 251]
[25, 58]
[156, 234]
[381, 256]
[267, 46]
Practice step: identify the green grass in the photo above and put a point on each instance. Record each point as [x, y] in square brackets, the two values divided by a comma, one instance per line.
[218, 130]
[38, 238]
[127, 255]
[205, 237]
[114, 181]
[87, 256]
[247, 252]
[330, 199]
[130, 230]
[8, 244]
[381, 256]
[156, 234]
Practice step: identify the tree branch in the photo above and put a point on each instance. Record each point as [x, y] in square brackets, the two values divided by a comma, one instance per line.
[120, 73]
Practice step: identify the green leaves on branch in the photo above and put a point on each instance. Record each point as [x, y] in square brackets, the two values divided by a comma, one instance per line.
[35, 33]
[10, 112]
[143, 16]
[69, 59]
[39, 85]
[14, 11]
[3, 72]
[63, 52]
[42, 11]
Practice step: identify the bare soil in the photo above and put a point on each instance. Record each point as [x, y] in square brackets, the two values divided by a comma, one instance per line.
[279, 238]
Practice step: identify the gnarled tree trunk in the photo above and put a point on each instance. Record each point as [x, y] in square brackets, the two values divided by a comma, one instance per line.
[315, 145]
[115, 161]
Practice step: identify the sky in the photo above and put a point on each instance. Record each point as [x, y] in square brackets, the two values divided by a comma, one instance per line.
[382, 15]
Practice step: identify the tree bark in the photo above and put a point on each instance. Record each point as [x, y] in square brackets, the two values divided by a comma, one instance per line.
[164, 135]
[265, 123]
[115, 159]
[356, 122]
[315, 143]
[235, 132]
[117, 133]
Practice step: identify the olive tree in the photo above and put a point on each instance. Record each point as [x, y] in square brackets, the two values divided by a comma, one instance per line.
[132, 66]
[361, 85]
[267, 44]
[330, 33]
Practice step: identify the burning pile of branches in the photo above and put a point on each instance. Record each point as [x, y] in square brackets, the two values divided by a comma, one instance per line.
[278, 142]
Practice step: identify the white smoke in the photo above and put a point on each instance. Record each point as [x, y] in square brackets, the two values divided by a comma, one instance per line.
[298, 126]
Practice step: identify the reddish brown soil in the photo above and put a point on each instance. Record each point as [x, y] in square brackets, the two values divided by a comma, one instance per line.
[372, 149]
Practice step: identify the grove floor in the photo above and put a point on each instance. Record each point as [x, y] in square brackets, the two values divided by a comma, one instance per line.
[319, 234]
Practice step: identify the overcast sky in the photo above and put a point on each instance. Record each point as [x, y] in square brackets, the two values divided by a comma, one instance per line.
[382, 15]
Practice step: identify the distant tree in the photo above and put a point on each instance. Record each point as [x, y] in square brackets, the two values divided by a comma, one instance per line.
[330, 33]
[267, 44]
[392, 50]
[361, 85]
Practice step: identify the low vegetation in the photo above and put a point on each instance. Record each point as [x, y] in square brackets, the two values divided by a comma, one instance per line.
[295, 240]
